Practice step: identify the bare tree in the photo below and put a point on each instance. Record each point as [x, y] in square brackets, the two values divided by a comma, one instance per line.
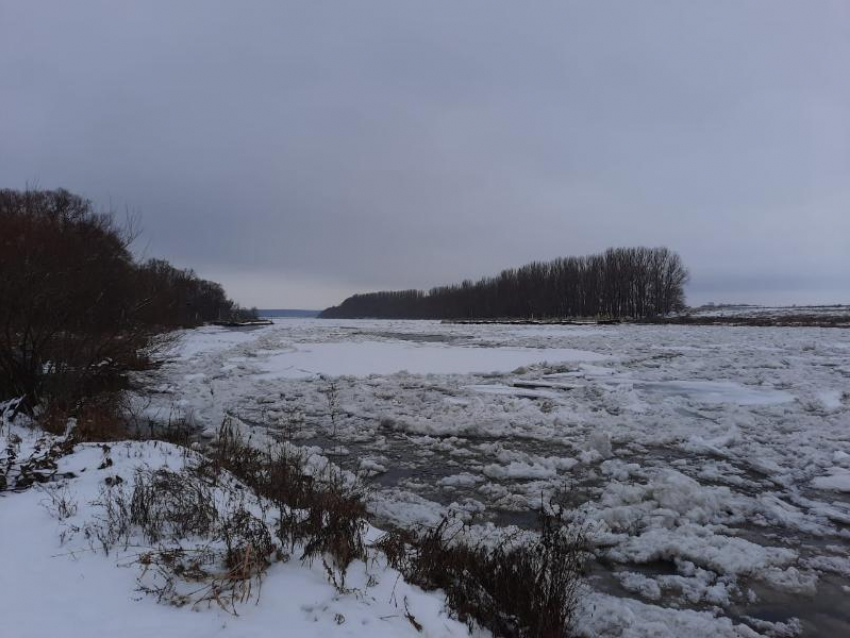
[75, 307]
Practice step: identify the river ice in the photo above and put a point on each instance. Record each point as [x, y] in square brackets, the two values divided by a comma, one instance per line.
[710, 465]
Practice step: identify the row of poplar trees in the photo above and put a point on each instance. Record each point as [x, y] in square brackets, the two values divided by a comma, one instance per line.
[618, 283]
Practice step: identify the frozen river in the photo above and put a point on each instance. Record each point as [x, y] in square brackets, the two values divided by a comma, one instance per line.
[710, 465]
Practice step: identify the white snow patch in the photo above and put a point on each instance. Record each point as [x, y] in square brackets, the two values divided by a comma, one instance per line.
[837, 479]
[364, 358]
[717, 392]
[56, 582]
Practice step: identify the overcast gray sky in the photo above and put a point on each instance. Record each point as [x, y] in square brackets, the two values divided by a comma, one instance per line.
[301, 151]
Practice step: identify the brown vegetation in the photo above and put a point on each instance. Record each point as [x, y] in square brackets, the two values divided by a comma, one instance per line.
[76, 310]
[324, 515]
[517, 589]
[521, 586]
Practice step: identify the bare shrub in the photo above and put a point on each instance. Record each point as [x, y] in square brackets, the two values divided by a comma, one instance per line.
[331, 524]
[110, 416]
[226, 570]
[248, 542]
[78, 312]
[323, 515]
[114, 526]
[229, 547]
[513, 589]
[332, 396]
[59, 501]
[168, 505]
[179, 577]
[96, 418]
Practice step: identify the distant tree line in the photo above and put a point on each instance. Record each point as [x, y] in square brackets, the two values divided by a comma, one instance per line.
[621, 282]
[75, 307]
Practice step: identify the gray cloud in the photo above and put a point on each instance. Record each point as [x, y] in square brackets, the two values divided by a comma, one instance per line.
[302, 151]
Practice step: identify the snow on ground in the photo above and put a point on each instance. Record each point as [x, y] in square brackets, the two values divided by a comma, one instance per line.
[709, 464]
[56, 580]
[336, 359]
[745, 310]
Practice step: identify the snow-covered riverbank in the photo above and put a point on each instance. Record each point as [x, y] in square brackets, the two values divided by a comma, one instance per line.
[70, 565]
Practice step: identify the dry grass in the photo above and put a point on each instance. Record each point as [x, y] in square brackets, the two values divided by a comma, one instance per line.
[513, 589]
[203, 544]
[169, 506]
[234, 535]
[323, 516]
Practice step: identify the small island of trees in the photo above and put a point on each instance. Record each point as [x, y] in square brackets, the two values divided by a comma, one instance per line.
[618, 283]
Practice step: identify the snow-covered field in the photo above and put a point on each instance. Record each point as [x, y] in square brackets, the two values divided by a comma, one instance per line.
[710, 465]
[746, 310]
